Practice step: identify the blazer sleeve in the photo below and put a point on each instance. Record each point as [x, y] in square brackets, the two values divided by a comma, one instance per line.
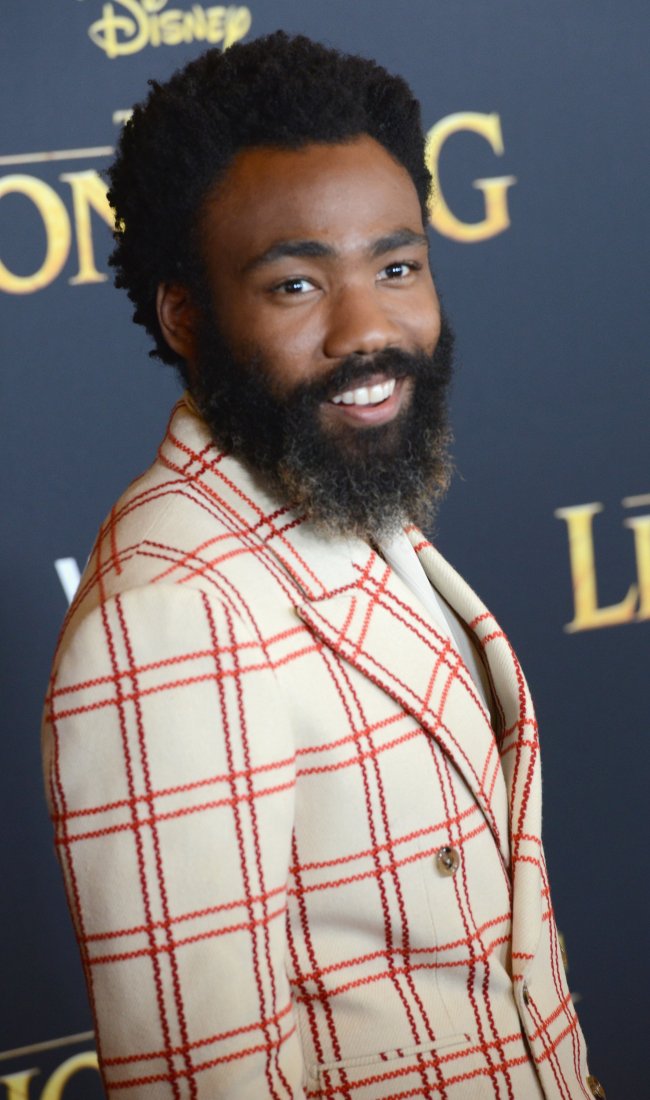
[170, 772]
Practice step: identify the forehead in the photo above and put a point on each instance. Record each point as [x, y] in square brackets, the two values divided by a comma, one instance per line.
[343, 194]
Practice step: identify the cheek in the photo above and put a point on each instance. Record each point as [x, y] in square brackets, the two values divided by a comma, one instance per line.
[288, 348]
[435, 331]
[283, 372]
[426, 322]
[283, 365]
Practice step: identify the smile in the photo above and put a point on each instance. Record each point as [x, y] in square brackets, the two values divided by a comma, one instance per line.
[366, 395]
[377, 402]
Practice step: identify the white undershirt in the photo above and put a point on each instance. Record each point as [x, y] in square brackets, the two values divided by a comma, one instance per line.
[403, 560]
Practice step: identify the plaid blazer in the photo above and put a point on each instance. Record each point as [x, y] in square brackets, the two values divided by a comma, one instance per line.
[299, 860]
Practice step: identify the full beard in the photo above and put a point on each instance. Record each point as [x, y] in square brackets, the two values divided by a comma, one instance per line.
[348, 480]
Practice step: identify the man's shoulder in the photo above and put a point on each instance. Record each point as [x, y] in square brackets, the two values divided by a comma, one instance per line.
[196, 519]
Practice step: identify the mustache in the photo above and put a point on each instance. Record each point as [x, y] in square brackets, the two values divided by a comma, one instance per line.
[356, 370]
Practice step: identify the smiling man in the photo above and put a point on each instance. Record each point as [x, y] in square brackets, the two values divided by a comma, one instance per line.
[291, 759]
[319, 348]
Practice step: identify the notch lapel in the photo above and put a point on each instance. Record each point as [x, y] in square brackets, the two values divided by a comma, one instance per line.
[373, 621]
[518, 748]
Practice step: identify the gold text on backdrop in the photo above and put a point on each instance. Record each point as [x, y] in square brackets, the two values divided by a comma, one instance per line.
[635, 605]
[17, 1086]
[127, 26]
[495, 190]
[88, 193]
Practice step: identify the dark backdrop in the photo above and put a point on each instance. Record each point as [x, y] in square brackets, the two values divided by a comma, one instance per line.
[550, 411]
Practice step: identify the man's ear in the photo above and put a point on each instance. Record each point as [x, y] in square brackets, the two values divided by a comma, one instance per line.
[178, 318]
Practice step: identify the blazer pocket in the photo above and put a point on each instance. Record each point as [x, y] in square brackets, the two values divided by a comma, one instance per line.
[384, 1075]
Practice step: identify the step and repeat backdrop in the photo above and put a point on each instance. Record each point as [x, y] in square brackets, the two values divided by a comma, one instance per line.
[536, 120]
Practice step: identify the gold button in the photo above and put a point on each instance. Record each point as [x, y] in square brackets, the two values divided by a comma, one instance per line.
[448, 861]
[596, 1088]
[525, 994]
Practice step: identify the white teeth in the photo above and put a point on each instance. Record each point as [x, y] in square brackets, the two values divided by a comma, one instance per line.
[366, 396]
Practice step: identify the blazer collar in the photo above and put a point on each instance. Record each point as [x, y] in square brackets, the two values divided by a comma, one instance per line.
[249, 511]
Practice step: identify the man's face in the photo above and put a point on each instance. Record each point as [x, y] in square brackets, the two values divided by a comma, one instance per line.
[318, 254]
[319, 357]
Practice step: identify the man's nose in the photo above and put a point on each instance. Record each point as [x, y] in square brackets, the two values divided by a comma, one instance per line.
[359, 323]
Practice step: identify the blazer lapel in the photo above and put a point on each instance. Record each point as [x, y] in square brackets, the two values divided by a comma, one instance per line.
[370, 618]
[518, 747]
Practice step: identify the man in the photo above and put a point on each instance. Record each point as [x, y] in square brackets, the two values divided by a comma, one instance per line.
[291, 759]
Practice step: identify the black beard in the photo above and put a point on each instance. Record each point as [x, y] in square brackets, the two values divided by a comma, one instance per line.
[348, 480]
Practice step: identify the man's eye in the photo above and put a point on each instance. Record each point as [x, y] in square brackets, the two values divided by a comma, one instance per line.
[294, 286]
[398, 270]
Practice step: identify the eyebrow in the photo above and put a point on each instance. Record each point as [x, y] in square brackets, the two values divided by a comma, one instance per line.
[313, 249]
[400, 239]
[317, 250]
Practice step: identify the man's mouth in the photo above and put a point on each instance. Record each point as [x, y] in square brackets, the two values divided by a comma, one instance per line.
[366, 395]
[376, 401]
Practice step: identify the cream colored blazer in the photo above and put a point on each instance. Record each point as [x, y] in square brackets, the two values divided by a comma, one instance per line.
[299, 861]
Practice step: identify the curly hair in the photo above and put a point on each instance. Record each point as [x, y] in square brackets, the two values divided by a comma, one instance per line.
[280, 90]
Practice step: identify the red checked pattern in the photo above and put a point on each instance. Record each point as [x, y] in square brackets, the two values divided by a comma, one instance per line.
[256, 745]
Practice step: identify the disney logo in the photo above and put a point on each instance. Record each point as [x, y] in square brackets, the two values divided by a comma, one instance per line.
[127, 26]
